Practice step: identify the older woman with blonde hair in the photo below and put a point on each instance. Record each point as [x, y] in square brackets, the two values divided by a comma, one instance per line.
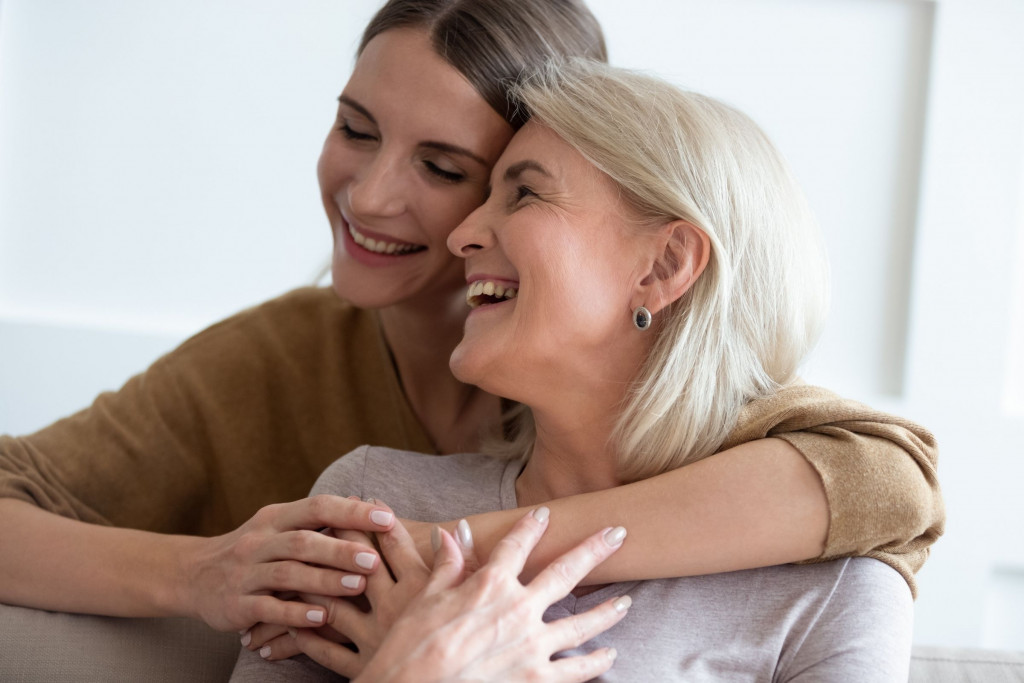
[644, 266]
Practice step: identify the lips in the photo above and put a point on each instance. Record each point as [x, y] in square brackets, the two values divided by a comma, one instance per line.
[380, 244]
[486, 292]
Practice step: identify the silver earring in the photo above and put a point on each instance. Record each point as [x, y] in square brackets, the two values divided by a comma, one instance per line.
[641, 318]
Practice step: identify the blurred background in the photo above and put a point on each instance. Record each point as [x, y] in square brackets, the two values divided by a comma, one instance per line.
[157, 173]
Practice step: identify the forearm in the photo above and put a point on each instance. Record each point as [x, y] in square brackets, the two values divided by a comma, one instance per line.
[754, 505]
[50, 562]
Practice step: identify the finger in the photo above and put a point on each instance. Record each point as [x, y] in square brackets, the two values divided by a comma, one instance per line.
[572, 632]
[448, 566]
[337, 658]
[351, 536]
[323, 510]
[328, 550]
[281, 647]
[464, 538]
[271, 610]
[400, 553]
[344, 617]
[301, 577]
[260, 634]
[580, 668]
[562, 575]
[511, 552]
[378, 585]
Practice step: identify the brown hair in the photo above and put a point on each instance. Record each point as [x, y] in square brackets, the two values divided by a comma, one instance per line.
[494, 42]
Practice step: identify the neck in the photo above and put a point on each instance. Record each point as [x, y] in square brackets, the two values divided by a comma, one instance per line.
[571, 455]
[421, 336]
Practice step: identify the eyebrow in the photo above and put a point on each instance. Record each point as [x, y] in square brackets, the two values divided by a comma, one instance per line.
[345, 99]
[446, 147]
[517, 169]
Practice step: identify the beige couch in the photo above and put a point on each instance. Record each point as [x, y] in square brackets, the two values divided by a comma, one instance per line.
[965, 665]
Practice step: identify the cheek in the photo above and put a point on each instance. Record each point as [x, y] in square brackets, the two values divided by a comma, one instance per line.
[444, 211]
[334, 168]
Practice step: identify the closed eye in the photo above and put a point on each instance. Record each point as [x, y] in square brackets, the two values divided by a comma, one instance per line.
[353, 134]
[522, 192]
[445, 175]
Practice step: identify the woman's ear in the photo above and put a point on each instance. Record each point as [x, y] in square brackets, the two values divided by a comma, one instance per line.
[683, 254]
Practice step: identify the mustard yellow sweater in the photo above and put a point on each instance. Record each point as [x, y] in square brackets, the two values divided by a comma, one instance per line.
[251, 410]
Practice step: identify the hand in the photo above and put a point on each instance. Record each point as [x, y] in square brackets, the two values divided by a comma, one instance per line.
[230, 581]
[366, 621]
[490, 626]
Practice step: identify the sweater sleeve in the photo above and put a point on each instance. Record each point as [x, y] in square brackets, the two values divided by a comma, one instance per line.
[878, 471]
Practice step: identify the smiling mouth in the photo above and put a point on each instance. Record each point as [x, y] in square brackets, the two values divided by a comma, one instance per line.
[485, 292]
[379, 246]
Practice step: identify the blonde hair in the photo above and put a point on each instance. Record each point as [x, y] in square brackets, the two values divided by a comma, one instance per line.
[747, 322]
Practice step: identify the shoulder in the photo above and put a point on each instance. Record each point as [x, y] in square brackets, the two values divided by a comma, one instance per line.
[289, 316]
[306, 330]
[867, 584]
[417, 485]
[862, 630]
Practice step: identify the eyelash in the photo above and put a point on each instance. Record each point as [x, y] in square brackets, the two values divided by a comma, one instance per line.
[446, 176]
[432, 168]
[522, 192]
[351, 134]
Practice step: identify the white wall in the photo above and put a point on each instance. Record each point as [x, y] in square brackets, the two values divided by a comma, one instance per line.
[157, 173]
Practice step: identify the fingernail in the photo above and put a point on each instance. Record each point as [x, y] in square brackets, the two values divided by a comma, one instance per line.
[350, 581]
[541, 514]
[292, 632]
[246, 639]
[435, 538]
[316, 616]
[371, 501]
[612, 653]
[622, 604]
[614, 537]
[366, 560]
[464, 534]
[381, 517]
[265, 651]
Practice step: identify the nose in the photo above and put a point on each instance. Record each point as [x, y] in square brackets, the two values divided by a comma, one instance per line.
[471, 235]
[379, 190]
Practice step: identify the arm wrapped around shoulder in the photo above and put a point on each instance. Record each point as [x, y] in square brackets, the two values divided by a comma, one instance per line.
[878, 471]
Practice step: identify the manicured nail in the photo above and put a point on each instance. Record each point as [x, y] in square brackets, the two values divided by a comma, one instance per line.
[435, 538]
[292, 632]
[622, 604]
[612, 653]
[381, 517]
[246, 639]
[366, 560]
[614, 537]
[350, 581]
[265, 651]
[464, 534]
[541, 514]
[316, 616]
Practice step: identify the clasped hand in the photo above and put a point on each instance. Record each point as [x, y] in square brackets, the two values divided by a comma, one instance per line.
[449, 625]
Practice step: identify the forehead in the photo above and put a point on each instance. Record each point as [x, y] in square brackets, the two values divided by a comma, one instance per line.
[411, 91]
[536, 142]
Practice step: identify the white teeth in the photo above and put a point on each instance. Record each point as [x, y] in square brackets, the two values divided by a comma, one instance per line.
[482, 288]
[380, 246]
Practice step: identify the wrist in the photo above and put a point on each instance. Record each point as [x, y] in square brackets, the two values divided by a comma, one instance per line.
[175, 592]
